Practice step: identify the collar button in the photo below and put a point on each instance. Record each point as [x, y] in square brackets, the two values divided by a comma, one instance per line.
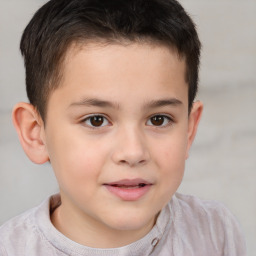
[155, 242]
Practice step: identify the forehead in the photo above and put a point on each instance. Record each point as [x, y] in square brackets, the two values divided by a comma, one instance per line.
[124, 50]
[114, 69]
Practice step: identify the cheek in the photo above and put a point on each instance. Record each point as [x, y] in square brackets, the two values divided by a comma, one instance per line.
[173, 165]
[76, 160]
[171, 153]
[170, 158]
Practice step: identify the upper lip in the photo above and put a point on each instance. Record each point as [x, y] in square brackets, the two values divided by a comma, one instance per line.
[129, 182]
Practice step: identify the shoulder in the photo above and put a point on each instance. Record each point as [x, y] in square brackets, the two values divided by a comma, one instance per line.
[204, 213]
[194, 206]
[14, 231]
[207, 223]
[16, 224]
[21, 231]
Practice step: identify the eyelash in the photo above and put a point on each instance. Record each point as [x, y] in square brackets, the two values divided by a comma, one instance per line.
[167, 121]
[89, 119]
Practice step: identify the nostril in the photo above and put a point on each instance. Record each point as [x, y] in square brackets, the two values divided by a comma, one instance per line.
[130, 156]
[132, 162]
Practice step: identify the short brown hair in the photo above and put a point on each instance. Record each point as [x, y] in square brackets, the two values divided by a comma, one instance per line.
[59, 23]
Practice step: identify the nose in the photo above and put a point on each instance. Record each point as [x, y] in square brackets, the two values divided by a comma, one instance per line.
[130, 148]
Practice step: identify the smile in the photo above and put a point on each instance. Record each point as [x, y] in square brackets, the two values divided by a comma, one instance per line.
[129, 190]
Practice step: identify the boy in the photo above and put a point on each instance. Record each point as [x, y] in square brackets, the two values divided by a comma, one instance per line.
[111, 86]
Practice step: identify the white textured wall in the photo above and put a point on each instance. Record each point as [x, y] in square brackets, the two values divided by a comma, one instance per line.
[222, 165]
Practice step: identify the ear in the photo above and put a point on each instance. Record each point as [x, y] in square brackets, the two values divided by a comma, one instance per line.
[30, 129]
[194, 119]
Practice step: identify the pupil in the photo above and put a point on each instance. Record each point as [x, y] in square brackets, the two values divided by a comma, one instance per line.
[157, 120]
[97, 120]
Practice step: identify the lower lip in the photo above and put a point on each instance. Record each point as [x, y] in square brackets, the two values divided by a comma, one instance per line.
[128, 194]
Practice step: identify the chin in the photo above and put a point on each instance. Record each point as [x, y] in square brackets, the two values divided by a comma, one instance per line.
[132, 222]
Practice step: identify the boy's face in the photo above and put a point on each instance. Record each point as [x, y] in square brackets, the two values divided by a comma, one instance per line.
[117, 134]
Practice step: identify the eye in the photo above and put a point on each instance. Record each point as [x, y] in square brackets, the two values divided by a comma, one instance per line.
[159, 120]
[96, 121]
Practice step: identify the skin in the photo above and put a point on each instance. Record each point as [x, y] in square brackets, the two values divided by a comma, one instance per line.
[126, 86]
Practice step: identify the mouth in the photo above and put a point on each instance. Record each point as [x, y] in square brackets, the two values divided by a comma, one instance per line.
[140, 185]
[129, 190]
[129, 183]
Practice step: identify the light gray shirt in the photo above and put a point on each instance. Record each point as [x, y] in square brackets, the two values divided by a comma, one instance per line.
[187, 226]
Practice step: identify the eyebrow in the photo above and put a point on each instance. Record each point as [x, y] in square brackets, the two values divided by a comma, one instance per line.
[95, 102]
[163, 103]
[103, 103]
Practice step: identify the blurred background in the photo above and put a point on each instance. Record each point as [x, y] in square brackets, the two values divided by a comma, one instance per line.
[222, 163]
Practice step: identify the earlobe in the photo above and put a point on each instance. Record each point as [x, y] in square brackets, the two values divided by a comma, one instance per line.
[194, 119]
[30, 127]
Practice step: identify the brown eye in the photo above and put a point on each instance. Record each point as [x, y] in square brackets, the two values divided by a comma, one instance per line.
[159, 120]
[96, 121]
